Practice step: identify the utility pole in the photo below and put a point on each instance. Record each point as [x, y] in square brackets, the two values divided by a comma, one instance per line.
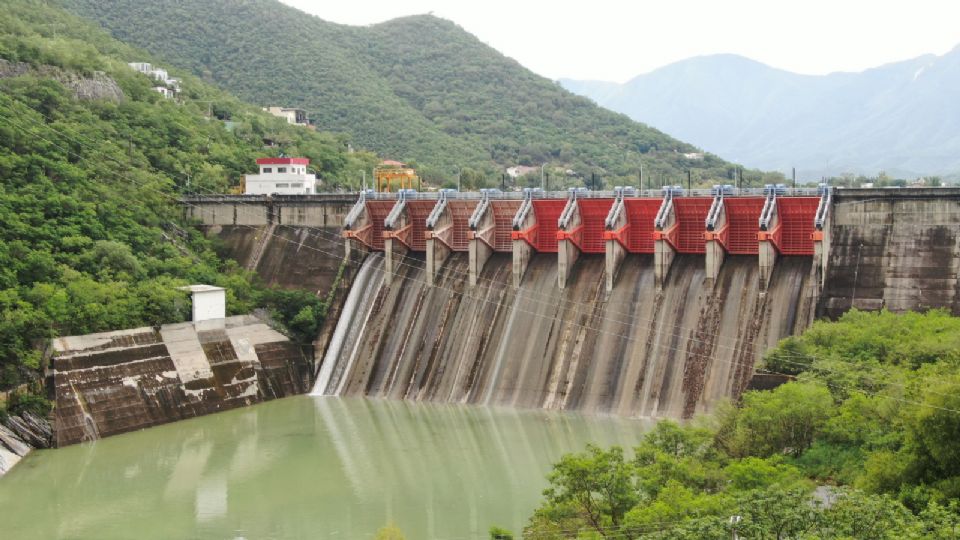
[794, 177]
[458, 178]
[543, 185]
[689, 180]
[363, 185]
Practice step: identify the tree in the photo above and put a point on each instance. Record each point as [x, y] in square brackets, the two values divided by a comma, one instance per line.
[776, 514]
[591, 489]
[855, 514]
[498, 533]
[789, 357]
[390, 532]
[783, 421]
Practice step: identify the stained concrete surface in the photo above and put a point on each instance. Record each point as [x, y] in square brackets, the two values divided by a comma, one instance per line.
[121, 381]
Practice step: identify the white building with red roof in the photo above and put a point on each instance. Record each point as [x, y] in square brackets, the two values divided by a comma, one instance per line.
[281, 176]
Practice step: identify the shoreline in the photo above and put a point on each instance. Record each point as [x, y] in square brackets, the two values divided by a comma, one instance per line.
[20, 435]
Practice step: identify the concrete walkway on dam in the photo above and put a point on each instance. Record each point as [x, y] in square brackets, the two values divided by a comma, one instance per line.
[766, 222]
[878, 247]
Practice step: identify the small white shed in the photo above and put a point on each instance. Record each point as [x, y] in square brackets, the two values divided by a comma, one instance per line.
[209, 302]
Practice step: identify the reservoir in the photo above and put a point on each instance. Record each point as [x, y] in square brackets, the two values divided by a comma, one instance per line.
[305, 467]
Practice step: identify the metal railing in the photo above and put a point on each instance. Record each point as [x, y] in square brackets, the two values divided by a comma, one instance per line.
[479, 211]
[769, 209]
[354, 214]
[496, 194]
[438, 208]
[714, 214]
[397, 210]
[820, 218]
[661, 220]
[614, 214]
[525, 207]
[567, 212]
[379, 196]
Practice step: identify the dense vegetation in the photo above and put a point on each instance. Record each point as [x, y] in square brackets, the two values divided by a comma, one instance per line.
[92, 238]
[419, 89]
[874, 414]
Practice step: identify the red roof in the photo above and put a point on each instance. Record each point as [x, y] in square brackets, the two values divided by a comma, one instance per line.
[283, 161]
[390, 162]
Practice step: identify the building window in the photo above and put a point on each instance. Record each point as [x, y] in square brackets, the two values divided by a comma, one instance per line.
[267, 169]
[296, 185]
[281, 169]
[283, 185]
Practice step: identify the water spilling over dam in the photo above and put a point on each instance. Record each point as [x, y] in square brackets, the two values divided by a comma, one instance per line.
[634, 352]
[623, 303]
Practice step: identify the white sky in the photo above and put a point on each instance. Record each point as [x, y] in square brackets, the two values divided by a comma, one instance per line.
[617, 40]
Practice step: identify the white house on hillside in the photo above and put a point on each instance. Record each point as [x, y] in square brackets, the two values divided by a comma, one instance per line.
[520, 170]
[171, 85]
[297, 117]
[281, 176]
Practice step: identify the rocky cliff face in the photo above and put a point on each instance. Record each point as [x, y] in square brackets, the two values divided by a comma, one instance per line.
[97, 86]
[19, 434]
[116, 382]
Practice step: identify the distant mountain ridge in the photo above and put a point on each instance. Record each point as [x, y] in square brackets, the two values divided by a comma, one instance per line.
[902, 118]
[416, 88]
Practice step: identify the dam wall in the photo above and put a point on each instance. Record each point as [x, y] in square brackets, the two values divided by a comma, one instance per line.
[635, 352]
[322, 210]
[897, 249]
[289, 241]
[286, 256]
[639, 303]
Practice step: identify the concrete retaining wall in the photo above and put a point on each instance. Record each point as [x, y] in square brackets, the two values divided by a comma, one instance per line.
[122, 381]
[893, 248]
[301, 210]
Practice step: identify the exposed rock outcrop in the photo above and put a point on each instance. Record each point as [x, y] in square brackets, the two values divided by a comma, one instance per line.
[19, 434]
[97, 86]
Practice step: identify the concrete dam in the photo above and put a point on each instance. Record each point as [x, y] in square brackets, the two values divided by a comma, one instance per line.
[625, 302]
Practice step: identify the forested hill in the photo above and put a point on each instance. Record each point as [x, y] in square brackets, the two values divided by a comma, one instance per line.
[92, 161]
[417, 88]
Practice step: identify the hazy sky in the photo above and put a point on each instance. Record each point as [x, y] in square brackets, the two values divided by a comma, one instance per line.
[616, 40]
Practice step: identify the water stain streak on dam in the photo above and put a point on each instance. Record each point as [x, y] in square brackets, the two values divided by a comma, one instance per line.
[634, 352]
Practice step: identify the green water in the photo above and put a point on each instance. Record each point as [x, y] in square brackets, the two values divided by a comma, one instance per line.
[303, 467]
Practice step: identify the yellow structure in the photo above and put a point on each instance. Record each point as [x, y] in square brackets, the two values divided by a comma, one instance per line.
[391, 173]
